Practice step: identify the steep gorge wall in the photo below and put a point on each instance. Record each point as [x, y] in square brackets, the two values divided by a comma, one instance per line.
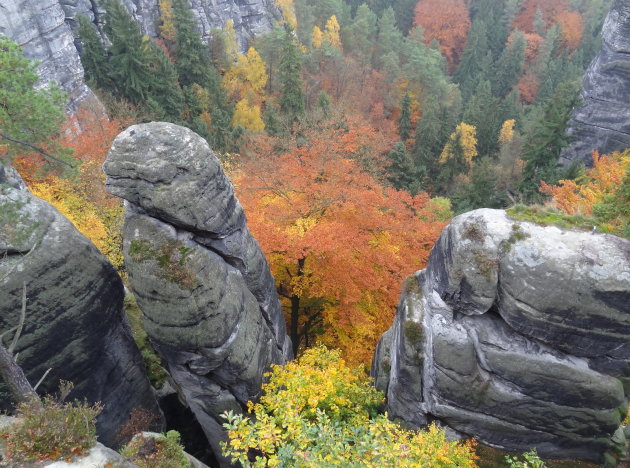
[602, 122]
[516, 334]
[44, 29]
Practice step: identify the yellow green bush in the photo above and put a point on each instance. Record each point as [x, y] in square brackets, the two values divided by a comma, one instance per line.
[318, 412]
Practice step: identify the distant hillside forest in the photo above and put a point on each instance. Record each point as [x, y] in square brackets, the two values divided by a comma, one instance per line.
[352, 131]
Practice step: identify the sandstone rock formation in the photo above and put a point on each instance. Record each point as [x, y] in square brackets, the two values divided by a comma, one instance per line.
[516, 334]
[203, 285]
[39, 27]
[74, 319]
[250, 18]
[602, 123]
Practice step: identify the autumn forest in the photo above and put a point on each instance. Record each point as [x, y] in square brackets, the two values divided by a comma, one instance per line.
[352, 131]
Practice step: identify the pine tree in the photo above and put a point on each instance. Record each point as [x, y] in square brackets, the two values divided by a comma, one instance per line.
[404, 121]
[360, 36]
[543, 148]
[483, 111]
[93, 55]
[292, 100]
[165, 95]
[400, 170]
[131, 74]
[470, 72]
[509, 66]
[389, 39]
[191, 55]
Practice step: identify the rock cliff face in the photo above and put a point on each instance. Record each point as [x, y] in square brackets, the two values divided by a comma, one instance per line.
[250, 18]
[602, 123]
[516, 334]
[74, 318]
[202, 283]
[39, 27]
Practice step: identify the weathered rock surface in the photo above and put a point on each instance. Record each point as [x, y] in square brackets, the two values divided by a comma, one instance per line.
[39, 27]
[203, 285]
[250, 18]
[602, 123]
[74, 319]
[516, 334]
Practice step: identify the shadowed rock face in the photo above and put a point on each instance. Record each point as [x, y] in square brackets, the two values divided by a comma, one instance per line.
[203, 285]
[39, 27]
[515, 334]
[74, 318]
[602, 123]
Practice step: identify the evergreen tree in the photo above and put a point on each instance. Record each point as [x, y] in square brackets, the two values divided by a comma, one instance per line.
[470, 72]
[508, 67]
[292, 100]
[191, 55]
[131, 74]
[404, 121]
[360, 36]
[165, 96]
[389, 39]
[543, 148]
[93, 55]
[482, 111]
[28, 117]
[404, 14]
[400, 170]
[481, 191]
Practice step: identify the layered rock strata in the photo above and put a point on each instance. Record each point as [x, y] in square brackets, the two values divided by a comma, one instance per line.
[75, 322]
[204, 287]
[516, 334]
[39, 27]
[602, 123]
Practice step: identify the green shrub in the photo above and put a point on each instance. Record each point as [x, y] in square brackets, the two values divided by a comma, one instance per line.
[161, 452]
[53, 430]
[527, 460]
[152, 362]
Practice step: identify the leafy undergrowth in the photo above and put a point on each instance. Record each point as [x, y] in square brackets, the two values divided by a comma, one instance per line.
[156, 372]
[318, 412]
[544, 216]
[160, 452]
[53, 430]
[489, 457]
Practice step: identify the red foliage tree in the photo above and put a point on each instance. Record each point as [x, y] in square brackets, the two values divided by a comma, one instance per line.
[339, 243]
[447, 21]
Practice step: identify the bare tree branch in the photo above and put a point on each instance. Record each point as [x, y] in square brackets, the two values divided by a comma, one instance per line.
[20, 326]
[45, 154]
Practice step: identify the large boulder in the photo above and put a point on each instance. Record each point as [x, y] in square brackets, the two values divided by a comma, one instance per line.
[602, 122]
[516, 334]
[204, 287]
[75, 322]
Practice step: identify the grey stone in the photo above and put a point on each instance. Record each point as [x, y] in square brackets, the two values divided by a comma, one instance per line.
[528, 348]
[39, 27]
[204, 287]
[602, 122]
[75, 322]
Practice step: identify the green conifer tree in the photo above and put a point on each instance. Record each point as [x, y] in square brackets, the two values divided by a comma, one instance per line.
[93, 55]
[482, 111]
[544, 145]
[470, 72]
[404, 121]
[292, 100]
[509, 66]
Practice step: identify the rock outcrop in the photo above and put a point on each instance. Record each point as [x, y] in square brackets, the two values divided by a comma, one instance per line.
[204, 287]
[602, 123]
[75, 322]
[250, 18]
[516, 334]
[39, 27]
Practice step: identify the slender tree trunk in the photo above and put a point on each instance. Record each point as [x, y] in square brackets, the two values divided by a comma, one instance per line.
[295, 311]
[14, 378]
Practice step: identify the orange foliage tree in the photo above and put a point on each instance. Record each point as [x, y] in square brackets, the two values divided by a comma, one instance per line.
[447, 21]
[338, 241]
[602, 179]
[550, 10]
[572, 27]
